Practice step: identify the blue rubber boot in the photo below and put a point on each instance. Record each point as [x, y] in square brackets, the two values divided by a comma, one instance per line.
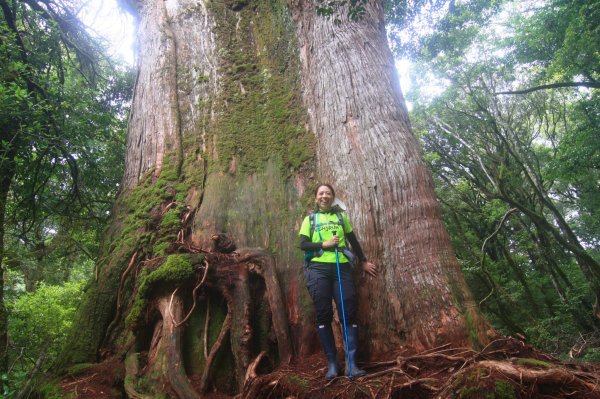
[352, 370]
[328, 342]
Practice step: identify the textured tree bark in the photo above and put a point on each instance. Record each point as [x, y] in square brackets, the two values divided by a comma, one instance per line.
[7, 172]
[4, 187]
[366, 148]
[229, 100]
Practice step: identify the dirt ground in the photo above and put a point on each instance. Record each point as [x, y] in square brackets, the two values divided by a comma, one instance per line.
[506, 368]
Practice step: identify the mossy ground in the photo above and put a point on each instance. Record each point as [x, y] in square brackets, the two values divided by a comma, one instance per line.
[482, 384]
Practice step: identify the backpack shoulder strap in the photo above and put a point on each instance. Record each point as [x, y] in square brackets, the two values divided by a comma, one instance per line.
[311, 218]
[340, 220]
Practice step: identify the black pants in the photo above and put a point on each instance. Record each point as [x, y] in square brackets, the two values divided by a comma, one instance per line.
[322, 284]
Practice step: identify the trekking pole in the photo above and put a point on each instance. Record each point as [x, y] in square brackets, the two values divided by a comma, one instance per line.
[337, 263]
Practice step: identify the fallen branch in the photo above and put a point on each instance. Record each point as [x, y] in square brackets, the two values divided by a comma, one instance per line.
[420, 381]
[554, 375]
[80, 381]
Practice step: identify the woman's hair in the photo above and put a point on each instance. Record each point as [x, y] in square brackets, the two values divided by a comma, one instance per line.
[326, 185]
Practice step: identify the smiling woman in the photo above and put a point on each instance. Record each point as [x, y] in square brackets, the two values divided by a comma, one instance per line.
[329, 275]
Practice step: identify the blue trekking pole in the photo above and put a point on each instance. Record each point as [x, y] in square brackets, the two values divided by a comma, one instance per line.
[337, 263]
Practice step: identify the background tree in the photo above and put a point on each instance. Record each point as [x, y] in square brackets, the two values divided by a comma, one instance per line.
[518, 201]
[61, 112]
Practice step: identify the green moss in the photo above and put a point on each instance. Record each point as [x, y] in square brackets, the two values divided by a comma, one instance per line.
[79, 368]
[468, 392]
[472, 329]
[53, 390]
[296, 380]
[170, 220]
[176, 269]
[160, 249]
[504, 390]
[224, 360]
[261, 326]
[533, 363]
[479, 384]
[201, 79]
[262, 114]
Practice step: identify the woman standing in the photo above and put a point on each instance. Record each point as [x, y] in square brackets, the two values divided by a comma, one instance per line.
[326, 234]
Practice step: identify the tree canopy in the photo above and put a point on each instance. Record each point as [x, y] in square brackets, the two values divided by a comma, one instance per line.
[518, 185]
[63, 107]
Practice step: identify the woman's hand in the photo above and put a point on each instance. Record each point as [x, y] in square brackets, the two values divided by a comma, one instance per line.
[332, 242]
[369, 268]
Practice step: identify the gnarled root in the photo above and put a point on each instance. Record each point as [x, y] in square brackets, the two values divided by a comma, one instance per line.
[171, 310]
[265, 267]
[213, 352]
[131, 371]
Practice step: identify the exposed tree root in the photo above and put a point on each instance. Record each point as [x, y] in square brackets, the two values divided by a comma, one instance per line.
[505, 367]
[194, 294]
[213, 352]
[507, 364]
[251, 372]
[264, 266]
[178, 380]
[131, 370]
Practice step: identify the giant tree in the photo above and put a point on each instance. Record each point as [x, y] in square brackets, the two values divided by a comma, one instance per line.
[239, 109]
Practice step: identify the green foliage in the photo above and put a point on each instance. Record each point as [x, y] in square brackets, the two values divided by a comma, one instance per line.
[355, 9]
[176, 269]
[38, 326]
[62, 142]
[53, 391]
[63, 116]
[504, 390]
[517, 174]
[563, 37]
[534, 363]
[479, 384]
[592, 355]
[437, 30]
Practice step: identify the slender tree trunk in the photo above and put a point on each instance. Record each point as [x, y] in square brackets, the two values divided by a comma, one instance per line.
[7, 171]
[4, 187]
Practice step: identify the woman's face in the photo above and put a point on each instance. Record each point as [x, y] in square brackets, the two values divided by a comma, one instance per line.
[324, 198]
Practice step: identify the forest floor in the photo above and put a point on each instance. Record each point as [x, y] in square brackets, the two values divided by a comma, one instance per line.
[506, 368]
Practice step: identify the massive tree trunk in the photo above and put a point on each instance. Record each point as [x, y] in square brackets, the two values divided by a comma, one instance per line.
[365, 146]
[239, 109]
